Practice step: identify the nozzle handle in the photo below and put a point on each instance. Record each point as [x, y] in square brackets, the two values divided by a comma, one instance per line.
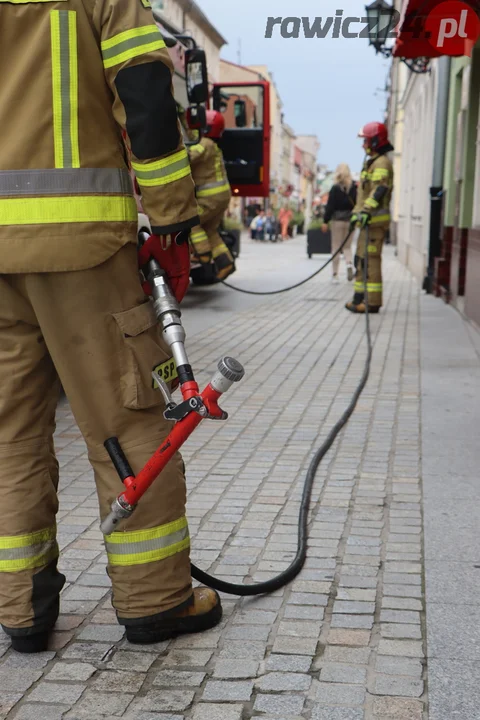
[117, 456]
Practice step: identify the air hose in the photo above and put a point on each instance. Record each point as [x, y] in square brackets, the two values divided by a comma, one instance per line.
[298, 562]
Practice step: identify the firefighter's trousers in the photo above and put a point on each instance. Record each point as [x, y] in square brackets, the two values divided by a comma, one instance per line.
[205, 237]
[96, 330]
[374, 288]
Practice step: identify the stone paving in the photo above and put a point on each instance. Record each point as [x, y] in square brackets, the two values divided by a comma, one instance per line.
[346, 640]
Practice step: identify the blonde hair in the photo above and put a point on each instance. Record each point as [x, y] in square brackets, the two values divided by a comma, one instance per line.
[343, 177]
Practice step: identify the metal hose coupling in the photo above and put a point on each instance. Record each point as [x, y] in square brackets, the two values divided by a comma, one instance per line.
[118, 512]
[229, 371]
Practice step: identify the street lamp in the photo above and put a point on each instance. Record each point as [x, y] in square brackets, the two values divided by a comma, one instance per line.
[382, 19]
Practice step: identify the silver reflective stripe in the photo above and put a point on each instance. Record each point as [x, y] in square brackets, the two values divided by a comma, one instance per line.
[30, 551]
[147, 545]
[209, 186]
[114, 181]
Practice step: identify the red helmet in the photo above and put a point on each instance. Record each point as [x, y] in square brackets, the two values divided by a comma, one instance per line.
[375, 134]
[215, 124]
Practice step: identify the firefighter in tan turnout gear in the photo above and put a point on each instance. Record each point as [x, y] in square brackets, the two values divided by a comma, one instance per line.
[71, 304]
[213, 197]
[372, 209]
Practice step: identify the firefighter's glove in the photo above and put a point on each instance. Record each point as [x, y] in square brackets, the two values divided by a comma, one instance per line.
[361, 220]
[172, 252]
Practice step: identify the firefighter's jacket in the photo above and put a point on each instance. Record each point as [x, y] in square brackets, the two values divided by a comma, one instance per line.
[375, 190]
[75, 73]
[209, 173]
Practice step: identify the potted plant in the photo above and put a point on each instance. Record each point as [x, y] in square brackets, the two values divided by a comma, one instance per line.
[318, 242]
[299, 221]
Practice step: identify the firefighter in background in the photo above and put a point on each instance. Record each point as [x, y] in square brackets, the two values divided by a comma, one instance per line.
[213, 197]
[372, 209]
[71, 304]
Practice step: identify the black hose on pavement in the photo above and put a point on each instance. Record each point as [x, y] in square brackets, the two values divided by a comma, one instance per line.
[298, 562]
[292, 287]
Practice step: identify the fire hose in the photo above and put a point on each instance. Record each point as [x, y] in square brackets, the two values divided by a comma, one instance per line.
[197, 406]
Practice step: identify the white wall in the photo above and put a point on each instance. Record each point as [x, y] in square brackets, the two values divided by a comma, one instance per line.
[419, 104]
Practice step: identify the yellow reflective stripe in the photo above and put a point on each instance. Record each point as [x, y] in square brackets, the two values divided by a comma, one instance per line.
[359, 286]
[164, 171]
[25, 552]
[72, 35]
[214, 190]
[380, 174]
[67, 209]
[198, 237]
[131, 43]
[198, 148]
[63, 32]
[150, 556]
[374, 286]
[380, 218]
[56, 84]
[371, 202]
[144, 546]
[371, 248]
[219, 249]
[7, 542]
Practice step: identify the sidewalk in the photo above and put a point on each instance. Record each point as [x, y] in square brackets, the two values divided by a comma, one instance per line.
[394, 508]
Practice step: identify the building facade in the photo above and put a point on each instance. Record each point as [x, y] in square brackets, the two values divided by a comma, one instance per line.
[185, 16]
[434, 120]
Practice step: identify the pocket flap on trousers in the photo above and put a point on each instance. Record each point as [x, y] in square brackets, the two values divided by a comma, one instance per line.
[137, 320]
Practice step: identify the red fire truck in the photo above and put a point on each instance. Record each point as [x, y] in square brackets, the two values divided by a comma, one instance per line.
[246, 106]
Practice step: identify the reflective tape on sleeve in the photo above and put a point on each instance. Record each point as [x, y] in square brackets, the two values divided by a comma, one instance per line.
[162, 172]
[131, 43]
[199, 236]
[63, 181]
[213, 188]
[63, 26]
[371, 203]
[380, 174]
[68, 209]
[146, 546]
[25, 552]
[197, 149]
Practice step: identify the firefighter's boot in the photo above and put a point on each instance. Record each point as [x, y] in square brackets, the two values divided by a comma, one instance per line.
[361, 308]
[202, 613]
[223, 261]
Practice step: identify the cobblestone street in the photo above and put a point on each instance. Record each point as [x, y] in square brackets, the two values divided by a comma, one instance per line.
[347, 640]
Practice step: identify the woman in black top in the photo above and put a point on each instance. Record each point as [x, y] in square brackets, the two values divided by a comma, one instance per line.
[341, 201]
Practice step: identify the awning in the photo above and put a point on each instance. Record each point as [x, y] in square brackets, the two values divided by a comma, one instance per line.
[431, 29]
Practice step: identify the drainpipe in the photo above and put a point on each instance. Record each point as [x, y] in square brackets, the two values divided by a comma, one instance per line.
[436, 190]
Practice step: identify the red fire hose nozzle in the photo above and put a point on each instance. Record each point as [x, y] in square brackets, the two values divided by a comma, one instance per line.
[190, 414]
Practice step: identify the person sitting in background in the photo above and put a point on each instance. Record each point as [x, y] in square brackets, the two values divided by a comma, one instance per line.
[341, 201]
[271, 226]
[256, 226]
